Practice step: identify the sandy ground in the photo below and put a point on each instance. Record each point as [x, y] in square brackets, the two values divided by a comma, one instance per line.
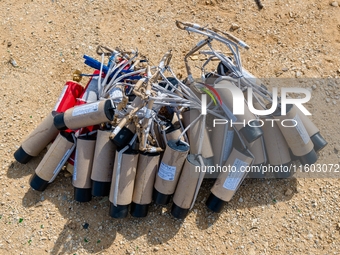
[48, 38]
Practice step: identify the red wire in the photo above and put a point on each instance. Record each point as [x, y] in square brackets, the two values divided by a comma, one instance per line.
[213, 90]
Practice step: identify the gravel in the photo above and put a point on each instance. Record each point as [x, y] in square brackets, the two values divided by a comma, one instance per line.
[267, 221]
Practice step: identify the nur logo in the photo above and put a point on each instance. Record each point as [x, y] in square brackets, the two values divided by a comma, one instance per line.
[238, 99]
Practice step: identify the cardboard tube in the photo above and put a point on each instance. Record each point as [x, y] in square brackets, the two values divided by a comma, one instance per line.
[250, 133]
[169, 171]
[173, 133]
[85, 115]
[102, 168]
[46, 131]
[313, 132]
[276, 147]
[309, 125]
[83, 168]
[50, 162]
[186, 120]
[221, 135]
[37, 140]
[145, 178]
[194, 138]
[125, 185]
[227, 182]
[296, 137]
[186, 186]
[159, 137]
[217, 141]
[256, 148]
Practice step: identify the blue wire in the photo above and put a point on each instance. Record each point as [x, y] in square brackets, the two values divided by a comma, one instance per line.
[96, 65]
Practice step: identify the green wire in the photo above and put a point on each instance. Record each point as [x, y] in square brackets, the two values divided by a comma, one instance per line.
[209, 95]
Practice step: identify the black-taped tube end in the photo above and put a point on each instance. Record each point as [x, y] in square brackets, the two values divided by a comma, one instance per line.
[179, 212]
[68, 136]
[37, 183]
[318, 141]
[253, 132]
[82, 195]
[292, 156]
[21, 156]
[119, 211]
[100, 189]
[131, 97]
[138, 210]
[309, 158]
[161, 199]
[59, 122]
[215, 204]
[109, 110]
[222, 69]
[123, 137]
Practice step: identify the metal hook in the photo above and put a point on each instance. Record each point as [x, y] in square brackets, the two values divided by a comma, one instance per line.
[101, 49]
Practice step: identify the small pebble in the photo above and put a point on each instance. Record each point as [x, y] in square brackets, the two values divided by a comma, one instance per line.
[335, 4]
[67, 174]
[86, 226]
[38, 204]
[13, 62]
[288, 192]
[235, 26]
[314, 87]
[103, 200]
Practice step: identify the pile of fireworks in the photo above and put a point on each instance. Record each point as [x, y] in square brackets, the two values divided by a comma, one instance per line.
[138, 134]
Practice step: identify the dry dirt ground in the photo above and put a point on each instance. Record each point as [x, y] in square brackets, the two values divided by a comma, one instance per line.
[47, 39]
